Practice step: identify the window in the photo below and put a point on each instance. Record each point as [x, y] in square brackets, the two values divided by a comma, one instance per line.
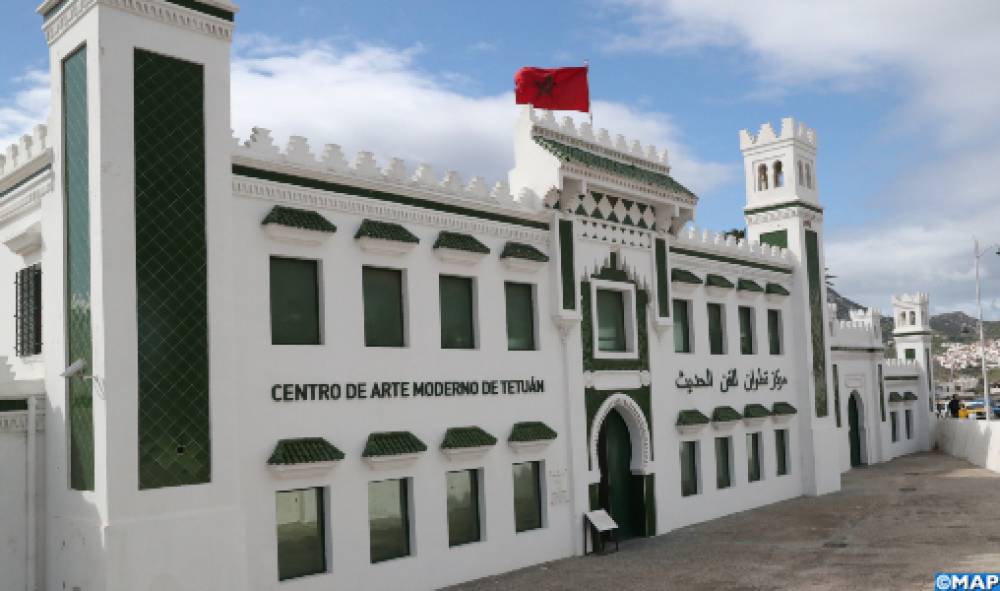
[753, 457]
[913, 317]
[389, 519]
[527, 496]
[774, 331]
[682, 326]
[893, 421]
[762, 177]
[801, 174]
[909, 423]
[301, 533]
[746, 330]
[294, 302]
[781, 449]
[689, 468]
[723, 463]
[463, 507]
[809, 178]
[382, 291]
[836, 393]
[779, 174]
[520, 316]
[458, 323]
[716, 329]
[28, 311]
[910, 353]
[611, 321]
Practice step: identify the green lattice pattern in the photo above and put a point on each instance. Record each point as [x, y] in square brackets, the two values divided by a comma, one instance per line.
[171, 278]
[816, 304]
[78, 330]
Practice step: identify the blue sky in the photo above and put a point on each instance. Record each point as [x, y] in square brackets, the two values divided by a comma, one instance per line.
[895, 89]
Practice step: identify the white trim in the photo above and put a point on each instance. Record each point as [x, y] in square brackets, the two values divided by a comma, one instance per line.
[308, 470]
[385, 247]
[519, 265]
[690, 429]
[528, 447]
[300, 236]
[457, 454]
[171, 14]
[27, 241]
[631, 312]
[638, 430]
[391, 462]
[725, 426]
[458, 257]
[754, 422]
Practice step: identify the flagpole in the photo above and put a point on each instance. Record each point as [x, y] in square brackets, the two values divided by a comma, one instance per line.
[586, 64]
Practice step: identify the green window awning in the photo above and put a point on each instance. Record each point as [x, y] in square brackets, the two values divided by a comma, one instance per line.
[691, 417]
[392, 443]
[718, 281]
[895, 397]
[298, 218]
[461, 437]
[783, 408]
[304, 450]
[909, 396]
[456, 241]
[748, 285]
[519, 250]
[755, 411]
[682, 276]
[725, 414]
[774, 288]
[385, 231]
[531, 431]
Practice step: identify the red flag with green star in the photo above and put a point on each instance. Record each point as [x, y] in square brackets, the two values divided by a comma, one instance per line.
[559, 89]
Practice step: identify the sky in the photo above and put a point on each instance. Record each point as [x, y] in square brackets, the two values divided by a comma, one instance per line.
[903, 94]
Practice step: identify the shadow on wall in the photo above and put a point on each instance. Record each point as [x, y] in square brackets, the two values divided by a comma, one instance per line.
[972, 440]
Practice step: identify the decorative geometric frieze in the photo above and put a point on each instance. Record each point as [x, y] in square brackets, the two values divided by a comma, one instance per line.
[73, 10]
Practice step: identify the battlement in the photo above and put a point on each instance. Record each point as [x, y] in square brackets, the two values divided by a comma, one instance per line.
[908, 300]
[901, 366]
[790, 129]
[870, 315]
[298, 154]
[863, 329]
[729, 246]
[19, 156]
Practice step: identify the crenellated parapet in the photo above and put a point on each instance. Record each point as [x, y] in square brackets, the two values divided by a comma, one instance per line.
[862, 331]
[25, 157]
[898, 367]
[790, 129]
[719, 244]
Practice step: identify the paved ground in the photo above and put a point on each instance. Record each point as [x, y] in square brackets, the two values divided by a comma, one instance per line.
[891, 527]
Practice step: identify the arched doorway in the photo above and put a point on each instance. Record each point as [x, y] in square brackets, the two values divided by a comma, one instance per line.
[855, 427]
[619, 492]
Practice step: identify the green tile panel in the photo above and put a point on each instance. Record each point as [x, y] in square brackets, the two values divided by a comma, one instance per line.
[518, 250]
[725, 414]
[748, 285]
[777, 238]
[662, 283]
[531, 431]
[817, 303]
[304, 450]
[718, 281]
[683, 276]
[462, 437]
[687, 418]
[15, 405]
[909, 396]
[895, 397]
[385, 231]
[755, 411]
[783, 408]
[298, 218]
[456, 241]
[567, 274]
[392, 443]
[775, 289]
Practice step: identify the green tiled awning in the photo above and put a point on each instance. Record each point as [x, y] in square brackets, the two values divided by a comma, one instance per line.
[573, 154]
[755, 411]
[460, 437]
[725, 414]
[748, 285]
[783, 408]
[392, 443]
[298, 218]
[909, 396]
[682, 276]
[687, 418]
[519, 250]
[531, 431]
[385, 231]
[718, 281]
[774, 288]
[895, 397]
[304, 450]
[456, 241]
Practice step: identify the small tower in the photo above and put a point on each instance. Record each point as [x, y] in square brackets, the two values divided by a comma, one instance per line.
[914, 342]
[780, 167]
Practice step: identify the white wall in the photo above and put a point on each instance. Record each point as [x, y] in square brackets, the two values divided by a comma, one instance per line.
[970, 439]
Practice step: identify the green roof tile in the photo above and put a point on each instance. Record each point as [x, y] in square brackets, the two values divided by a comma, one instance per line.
[459, 437]
[574, 154]
[298, 218]
[456, 241]
[518, 250]
[718, 281]
[776, 289]
[909, 396]
[755, 411]
[783, 408]
[748, 285]
[392, 443]
[531, 431]
[304, 450]
[687, 418]
[682, 276]
[385, 231]
[725, 414]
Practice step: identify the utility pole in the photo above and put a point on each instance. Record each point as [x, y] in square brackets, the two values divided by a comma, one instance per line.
[982, 337]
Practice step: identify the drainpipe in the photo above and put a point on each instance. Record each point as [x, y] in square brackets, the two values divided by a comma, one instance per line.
[31, 500]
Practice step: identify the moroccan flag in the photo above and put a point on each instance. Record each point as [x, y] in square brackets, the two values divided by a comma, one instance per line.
[561, 89]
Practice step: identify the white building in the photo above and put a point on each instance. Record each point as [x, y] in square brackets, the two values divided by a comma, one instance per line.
[303, 373]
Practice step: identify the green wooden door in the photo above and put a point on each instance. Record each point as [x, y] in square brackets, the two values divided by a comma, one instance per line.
[854, 430]
[619, 496]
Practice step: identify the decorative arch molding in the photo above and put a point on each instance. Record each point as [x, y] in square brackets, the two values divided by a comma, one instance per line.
[638, 429]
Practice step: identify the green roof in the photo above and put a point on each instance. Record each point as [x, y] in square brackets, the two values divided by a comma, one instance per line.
[755, 411]
[691, 417]
[895, 397]
[909, 396]
[574, 154]
[298, 218]
[724, 414]
[304, 450]
[385, 231]
[518, 250]
[718, 281]
[531, 431]
[459, 437]
[682, 276]
[456, 241]
[392, 443]
[748, 285]
[775, 289]
[783, 408]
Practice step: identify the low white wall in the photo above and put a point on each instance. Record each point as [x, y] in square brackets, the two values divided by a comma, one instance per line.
[972, 440]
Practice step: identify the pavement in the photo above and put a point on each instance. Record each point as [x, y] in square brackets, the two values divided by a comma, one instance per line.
[892, 526]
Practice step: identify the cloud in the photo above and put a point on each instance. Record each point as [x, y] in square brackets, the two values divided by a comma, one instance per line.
[28, 107]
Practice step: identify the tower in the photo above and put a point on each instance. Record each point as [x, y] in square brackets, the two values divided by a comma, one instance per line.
[914, 341]
[783, 210]
[141, 156]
